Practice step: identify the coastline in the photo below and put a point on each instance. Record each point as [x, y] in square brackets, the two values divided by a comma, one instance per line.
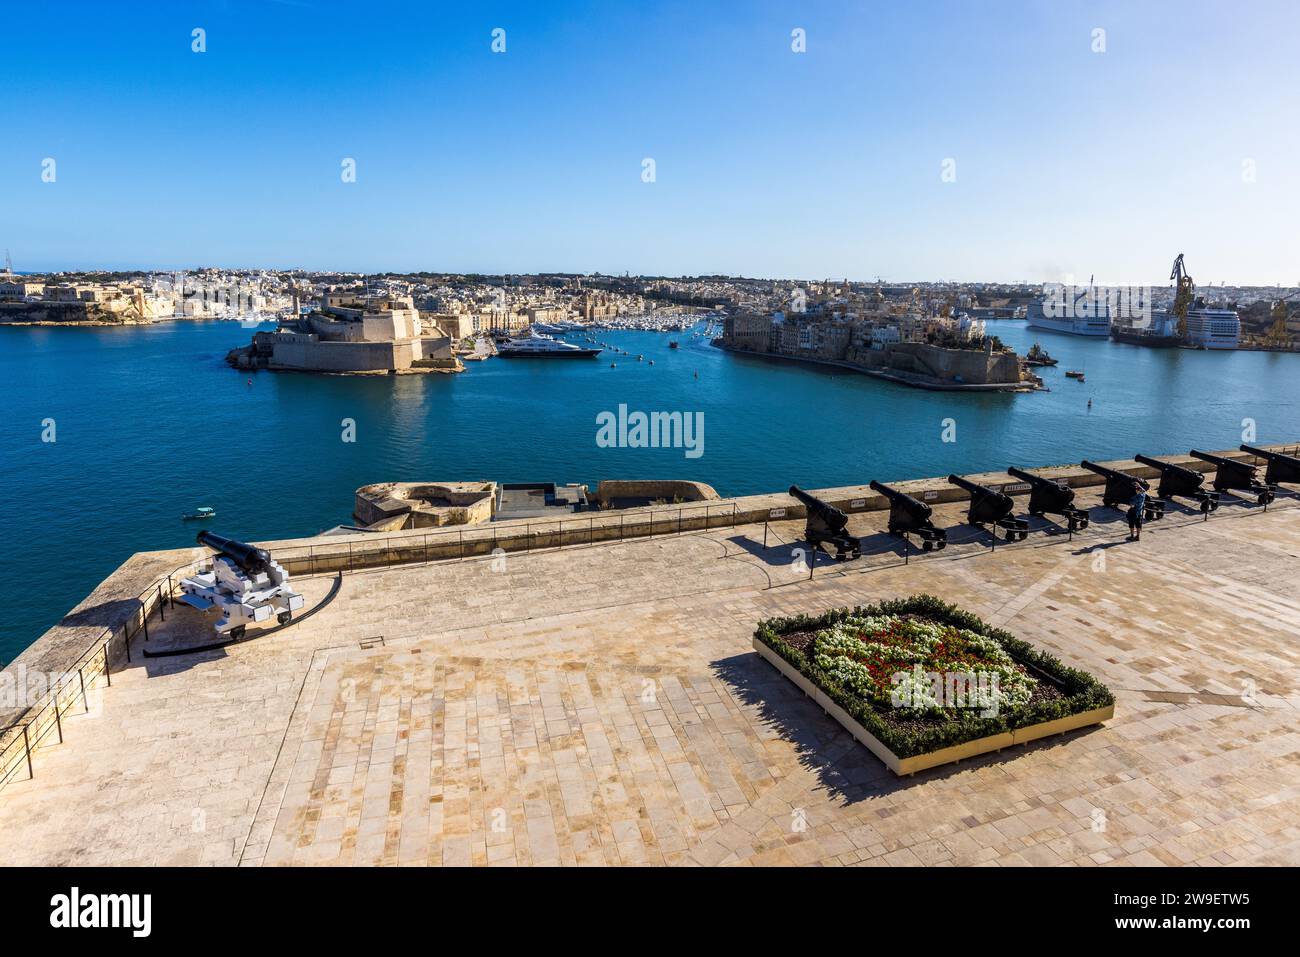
[899, 378]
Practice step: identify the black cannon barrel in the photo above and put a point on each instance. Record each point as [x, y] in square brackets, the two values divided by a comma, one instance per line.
[983, 492]
[1100, 469]
[828, 513]
[1266, 454]
[968, 485]
[1119, 485]
[826, 526]
[911, 516]
[1047, 495]
[990, 506]
[248, 557]
[1180, 481]
[1216, 459]
[894, 495]
[1029, 477]
[1281, 467]
[1169, 468]
[1236, 476]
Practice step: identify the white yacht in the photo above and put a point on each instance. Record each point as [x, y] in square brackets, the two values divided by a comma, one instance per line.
[538, 346]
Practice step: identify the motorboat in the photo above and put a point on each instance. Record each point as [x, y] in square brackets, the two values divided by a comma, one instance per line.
[539, 346]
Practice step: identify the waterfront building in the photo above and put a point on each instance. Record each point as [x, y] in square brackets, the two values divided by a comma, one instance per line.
[883, 336]
[384, 335]
[18, 290]
[750, 331]
[454, 325]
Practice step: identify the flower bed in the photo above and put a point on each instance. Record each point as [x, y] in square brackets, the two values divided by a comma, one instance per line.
[921, 682]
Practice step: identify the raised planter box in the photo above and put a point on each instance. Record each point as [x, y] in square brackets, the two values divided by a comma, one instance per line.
[1080, 702]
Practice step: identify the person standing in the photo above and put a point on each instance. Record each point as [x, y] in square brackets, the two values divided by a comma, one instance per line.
[1137, 506]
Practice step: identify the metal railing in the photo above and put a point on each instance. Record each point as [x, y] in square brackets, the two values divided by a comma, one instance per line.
[45, 715]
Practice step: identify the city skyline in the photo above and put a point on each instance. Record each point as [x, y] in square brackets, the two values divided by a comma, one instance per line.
[931, 143]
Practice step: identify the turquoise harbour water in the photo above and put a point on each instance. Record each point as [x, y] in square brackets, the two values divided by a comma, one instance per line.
[151, 423]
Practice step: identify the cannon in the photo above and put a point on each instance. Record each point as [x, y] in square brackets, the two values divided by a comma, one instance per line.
[249, 558]
[1054, 498]
[245, 584]
[1236, 477]
[825, 524]
[1120, 489]
[1281, 467]
[988, 506]
[1177, 481]
[910, 516]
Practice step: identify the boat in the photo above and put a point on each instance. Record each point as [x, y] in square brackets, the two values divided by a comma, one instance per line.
[1160, 333]
[1085, 314]
[1209, 327]
[672, 344]
[1037, 356]
[1074, 374]
[199, 513]
[538, 346]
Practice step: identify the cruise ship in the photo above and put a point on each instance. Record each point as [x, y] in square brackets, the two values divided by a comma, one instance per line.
[538, 346]
[1087, 315]
[1210, 327]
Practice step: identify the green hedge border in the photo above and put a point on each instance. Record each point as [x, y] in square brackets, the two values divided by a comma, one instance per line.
[1083, 691]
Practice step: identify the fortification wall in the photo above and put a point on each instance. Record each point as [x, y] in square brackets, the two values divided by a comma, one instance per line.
[342, 356]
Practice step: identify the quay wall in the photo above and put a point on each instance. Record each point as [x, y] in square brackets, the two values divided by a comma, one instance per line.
[903, 373]
[975, 367]
[320, 356]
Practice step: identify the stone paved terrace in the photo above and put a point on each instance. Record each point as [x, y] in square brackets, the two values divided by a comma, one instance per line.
[603, 705]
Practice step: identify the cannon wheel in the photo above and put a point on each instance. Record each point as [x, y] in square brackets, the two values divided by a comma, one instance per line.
[237, 632]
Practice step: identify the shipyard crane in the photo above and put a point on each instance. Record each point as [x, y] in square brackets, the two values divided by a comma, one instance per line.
[1277, 333]
[1183, 295]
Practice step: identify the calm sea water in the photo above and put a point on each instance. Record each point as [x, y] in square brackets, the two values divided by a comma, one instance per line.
[151, 423]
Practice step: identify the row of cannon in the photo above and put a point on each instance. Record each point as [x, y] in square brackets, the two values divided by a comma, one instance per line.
[991, 507]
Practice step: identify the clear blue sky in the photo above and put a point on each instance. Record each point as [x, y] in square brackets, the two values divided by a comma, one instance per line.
[768, 162]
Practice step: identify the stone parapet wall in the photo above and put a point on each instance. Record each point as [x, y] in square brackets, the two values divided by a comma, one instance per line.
[670, 490]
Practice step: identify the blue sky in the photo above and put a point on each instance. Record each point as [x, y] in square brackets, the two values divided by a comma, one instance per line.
[767, 162]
